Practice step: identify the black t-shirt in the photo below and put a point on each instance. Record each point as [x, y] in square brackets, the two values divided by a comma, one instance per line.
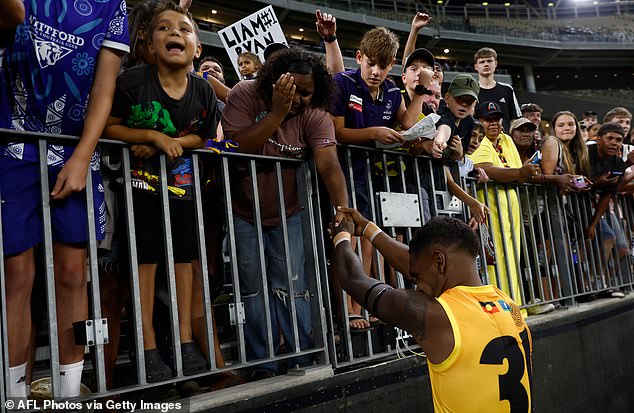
[599, 166]
[143, 104]
[503, 95]
[463, 129]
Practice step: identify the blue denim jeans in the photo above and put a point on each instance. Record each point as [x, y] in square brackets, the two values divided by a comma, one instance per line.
[278, 290]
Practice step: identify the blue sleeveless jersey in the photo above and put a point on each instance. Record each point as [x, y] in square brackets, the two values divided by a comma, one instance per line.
[47, 71]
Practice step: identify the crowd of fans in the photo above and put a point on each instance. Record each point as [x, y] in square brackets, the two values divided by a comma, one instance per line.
[292, 105]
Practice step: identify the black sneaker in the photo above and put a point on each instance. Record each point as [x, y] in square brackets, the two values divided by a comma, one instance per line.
[193, 361]
[155, 369]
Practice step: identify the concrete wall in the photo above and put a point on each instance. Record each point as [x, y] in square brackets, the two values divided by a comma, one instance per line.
[583, 361]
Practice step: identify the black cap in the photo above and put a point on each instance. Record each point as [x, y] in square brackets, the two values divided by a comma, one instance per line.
[488, 108]
[273, 47]
[420, 54]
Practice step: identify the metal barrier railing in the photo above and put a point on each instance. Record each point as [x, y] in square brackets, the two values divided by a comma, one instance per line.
[225, 166]
[374, 177]
[545, 256]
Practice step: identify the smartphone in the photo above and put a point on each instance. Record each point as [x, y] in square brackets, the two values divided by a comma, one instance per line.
[536, 158]
[615, 174]
[580, 182]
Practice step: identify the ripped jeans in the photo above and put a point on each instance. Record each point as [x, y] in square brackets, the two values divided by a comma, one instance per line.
[255, 330]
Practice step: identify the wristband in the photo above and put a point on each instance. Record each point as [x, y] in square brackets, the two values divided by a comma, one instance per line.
[367, 293]
[371, 231]
[341, 237]
[421, 90]
[330, 39]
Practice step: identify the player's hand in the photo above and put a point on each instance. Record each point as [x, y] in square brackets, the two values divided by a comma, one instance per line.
[326, 24]
[344, 226]
[283, 92]
[420, 20]
[527, 171]
[438, 147]
[71, 179]
[387, 135]
[356, 218]
[144, 151]
[590, 232]
[170, 146]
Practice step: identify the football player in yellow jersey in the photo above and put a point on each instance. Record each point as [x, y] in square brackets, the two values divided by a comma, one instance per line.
[477, 343]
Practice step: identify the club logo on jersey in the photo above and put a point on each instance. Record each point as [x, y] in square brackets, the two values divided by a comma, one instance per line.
[355, 103]
[51, 45]
[48, 53]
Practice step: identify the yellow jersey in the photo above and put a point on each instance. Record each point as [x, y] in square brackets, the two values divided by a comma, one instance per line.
[489, 369]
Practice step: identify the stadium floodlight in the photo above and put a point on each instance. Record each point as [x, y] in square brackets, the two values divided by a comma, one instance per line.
[485, 3]
[551, 4]
[214, 11]
[301, 29]
[507, 4]
[445, 51]
[439, 2]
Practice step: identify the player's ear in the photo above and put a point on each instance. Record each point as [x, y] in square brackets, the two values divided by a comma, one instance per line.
[440, 261]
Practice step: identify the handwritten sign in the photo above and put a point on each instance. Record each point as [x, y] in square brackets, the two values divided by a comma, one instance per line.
[252, 34]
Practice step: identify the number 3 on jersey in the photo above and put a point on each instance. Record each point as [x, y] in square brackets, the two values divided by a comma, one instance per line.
[511, 387]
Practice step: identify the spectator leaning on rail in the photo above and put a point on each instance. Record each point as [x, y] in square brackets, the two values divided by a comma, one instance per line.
[45, 89]
[164, 108]
[485, 61]
[608, 171]
[466, 329]
[500, 160]
[623, 117]
[417, 74]
[533, 112]
[367, 110]
[456, 116]
[282, 113]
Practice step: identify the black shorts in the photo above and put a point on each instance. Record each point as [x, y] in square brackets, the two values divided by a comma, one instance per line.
[148, 222]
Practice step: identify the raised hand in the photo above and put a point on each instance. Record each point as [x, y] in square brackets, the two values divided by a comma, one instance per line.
[420, 20]
[326, 24]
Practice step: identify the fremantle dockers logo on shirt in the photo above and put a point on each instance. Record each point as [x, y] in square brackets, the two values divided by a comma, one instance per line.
[355, 103]
[51, 45]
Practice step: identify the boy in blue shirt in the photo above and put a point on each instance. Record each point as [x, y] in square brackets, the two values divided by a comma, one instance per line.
[368, 109]
[165, 108]
[58, 57]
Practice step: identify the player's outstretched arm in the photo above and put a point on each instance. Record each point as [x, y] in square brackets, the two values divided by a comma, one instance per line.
[406, 309]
